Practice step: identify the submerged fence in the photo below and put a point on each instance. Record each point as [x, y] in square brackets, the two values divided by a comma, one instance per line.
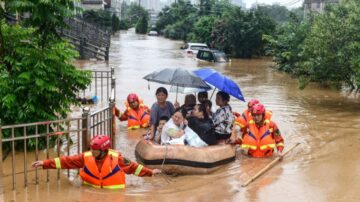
[66, 136]
[101, 85]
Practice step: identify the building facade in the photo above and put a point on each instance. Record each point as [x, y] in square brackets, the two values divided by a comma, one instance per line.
[316, 5]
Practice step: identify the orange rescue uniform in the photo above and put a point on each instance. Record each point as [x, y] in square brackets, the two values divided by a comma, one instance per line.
[138, 118]
[261, 141]
[108, 172]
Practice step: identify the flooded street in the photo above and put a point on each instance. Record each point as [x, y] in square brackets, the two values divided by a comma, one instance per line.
[324, 167]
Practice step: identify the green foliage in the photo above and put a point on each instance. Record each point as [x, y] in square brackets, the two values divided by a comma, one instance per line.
[218, 23]
[240, 33]
[332, 49]
[174, 21]
[141, 26]
[180, 29]
[326, 51]
[37, 78]
[287, 44]
[36, 83]
[46, 15]
[202, 29]
[279, 14]
[103, 19]
[134, 13]
[124, 24]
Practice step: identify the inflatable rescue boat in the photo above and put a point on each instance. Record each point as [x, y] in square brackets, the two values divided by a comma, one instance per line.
[182, 159]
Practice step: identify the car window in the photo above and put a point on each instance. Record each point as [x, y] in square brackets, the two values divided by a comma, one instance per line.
[206, 55]
[220, 57]
[198, 47]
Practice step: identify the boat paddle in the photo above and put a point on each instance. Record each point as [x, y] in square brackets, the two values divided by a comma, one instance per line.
[268, 166]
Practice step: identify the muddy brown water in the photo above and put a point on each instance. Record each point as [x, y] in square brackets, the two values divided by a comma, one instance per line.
[325, 167]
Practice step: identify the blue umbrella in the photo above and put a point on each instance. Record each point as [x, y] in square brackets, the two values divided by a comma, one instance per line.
[220, 81]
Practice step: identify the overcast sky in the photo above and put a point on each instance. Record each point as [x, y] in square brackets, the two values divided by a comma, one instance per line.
[287, 3]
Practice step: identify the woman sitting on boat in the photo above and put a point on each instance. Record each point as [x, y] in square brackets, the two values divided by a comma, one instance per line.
[176, 132]
[223, 118]
[202, 125]
[137, 114]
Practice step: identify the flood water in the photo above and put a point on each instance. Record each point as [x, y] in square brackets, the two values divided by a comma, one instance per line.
[324, 167]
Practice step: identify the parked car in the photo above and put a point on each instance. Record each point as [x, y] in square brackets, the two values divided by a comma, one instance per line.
[193, 48]
[153, 33]
[212, 55]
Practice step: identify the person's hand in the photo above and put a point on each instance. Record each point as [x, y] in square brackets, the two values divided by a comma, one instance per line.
[176, 105]
[185, 122]
[280, 154]
[156, 171]
[179, 134]
[37, 164]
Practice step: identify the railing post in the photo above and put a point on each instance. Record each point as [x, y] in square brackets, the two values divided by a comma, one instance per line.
[107, 53]
[82, 47]
[113, 80]
[112, 108]
[86, 129]
[112, 129]
[1, 165]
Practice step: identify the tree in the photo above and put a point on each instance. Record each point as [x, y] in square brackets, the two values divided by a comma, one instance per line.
[239, 33]
[279, 14]
[38, 80]
[287, 44]
[182, 14]
[202, 29]
[332, 49]
[141, 25]
[135, 13]
[324, 50]
[46, 16]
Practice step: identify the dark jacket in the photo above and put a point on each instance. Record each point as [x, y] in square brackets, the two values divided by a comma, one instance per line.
[204, 128]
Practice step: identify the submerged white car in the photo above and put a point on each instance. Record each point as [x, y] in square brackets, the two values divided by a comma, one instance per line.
[193, 48]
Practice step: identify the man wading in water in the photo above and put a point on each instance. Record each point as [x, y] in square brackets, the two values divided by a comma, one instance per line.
[102, 167]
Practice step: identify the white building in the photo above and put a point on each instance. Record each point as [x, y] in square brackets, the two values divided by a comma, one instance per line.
[316, 5]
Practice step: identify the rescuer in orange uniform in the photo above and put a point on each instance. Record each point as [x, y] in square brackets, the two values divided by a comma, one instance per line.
[261, 135]
[242, 120]
[137, 114]
[101, 166]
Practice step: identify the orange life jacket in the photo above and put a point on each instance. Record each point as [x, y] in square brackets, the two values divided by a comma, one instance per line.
[137, 119]
[111, 175]
[259, 141]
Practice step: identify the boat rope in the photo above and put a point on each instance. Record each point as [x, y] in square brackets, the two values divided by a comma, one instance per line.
[162, 164]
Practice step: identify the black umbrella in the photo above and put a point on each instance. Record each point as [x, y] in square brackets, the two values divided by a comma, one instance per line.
[177, 77]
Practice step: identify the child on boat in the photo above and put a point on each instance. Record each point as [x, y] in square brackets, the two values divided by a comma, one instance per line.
[159, 128]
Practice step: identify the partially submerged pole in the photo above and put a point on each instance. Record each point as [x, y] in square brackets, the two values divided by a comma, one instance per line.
[267, 167]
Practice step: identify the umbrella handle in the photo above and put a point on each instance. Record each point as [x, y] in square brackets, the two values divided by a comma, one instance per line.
[177, 88]
[212, 93]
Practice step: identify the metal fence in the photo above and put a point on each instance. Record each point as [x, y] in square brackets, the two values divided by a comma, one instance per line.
[67, 136]
[101, 84]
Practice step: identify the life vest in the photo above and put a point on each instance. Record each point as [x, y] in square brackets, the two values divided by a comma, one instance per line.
[259, 141]
[137, 119]
[111, 175]
[240, 121]
[248, 117]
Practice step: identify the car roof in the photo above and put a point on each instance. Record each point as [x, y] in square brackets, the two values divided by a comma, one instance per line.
[197, 44]
[212, 50]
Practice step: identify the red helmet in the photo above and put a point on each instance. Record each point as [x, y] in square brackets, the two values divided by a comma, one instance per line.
[258, 109]
[132, 97]
[252, 102]
[100, 142]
